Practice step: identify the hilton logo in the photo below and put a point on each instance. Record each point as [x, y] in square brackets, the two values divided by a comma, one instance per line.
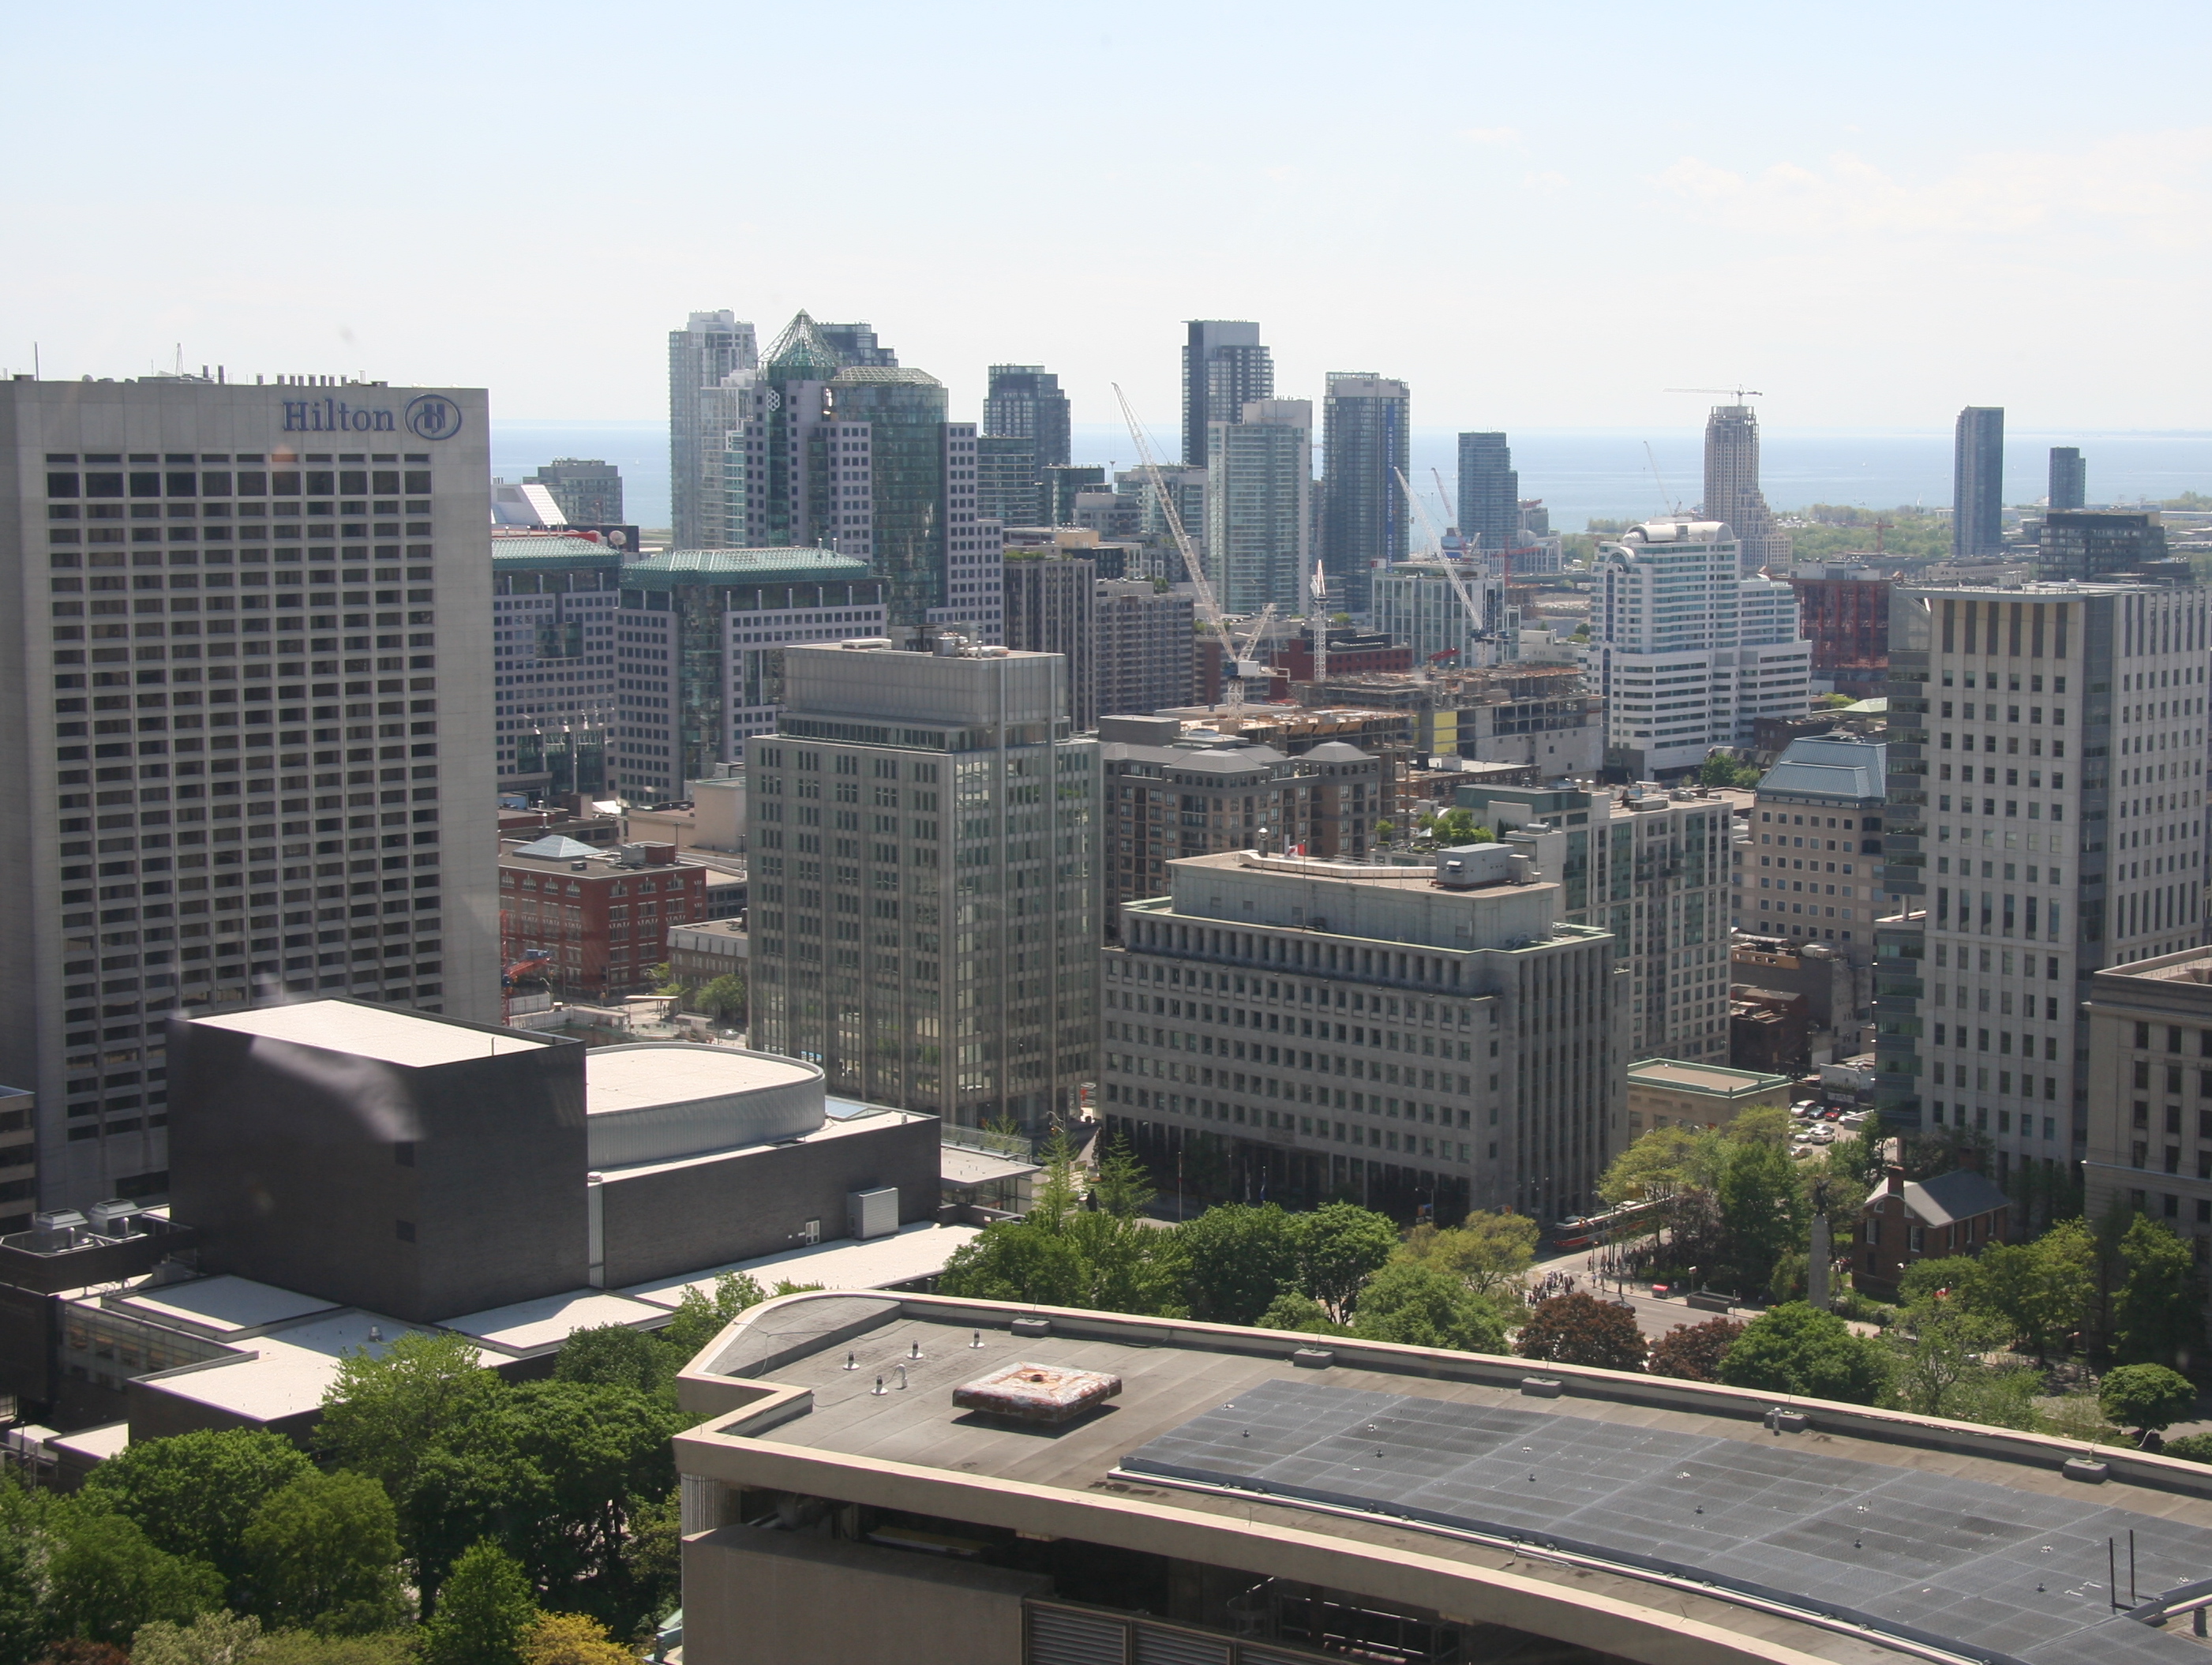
[432, 416]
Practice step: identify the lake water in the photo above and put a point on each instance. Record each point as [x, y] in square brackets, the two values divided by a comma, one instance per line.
[1579, 473]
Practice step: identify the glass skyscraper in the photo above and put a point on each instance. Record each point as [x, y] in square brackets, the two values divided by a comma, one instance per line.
[1225, 368]
[1489, 493]
[1025, 402]
[709, 364]
[1365, 420]
[1977, 483]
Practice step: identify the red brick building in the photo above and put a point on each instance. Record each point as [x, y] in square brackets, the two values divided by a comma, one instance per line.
[1906, 1220]
[603, 915]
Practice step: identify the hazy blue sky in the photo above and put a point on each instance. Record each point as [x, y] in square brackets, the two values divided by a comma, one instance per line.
[1541, 216]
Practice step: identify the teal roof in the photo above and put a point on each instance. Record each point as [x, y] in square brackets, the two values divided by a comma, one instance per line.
[552, 554]
[1823, 766]
[783, 563]
[801, 354]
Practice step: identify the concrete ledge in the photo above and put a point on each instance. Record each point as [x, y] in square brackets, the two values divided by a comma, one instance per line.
[1540, 1387]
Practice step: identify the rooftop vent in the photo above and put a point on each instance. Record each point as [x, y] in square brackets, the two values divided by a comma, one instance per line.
[1045, 1394]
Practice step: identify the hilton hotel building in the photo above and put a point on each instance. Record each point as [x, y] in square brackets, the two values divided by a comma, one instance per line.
[245, 721]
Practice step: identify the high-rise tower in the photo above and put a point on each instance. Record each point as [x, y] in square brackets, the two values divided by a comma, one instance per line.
[1977, 483]
[2069, 478]
[1365, 423]
[1732, 489]
[1489, 510]
[709, 364]
[1225, 368]
[1259, 512]
[250, 747]
[1025, 402]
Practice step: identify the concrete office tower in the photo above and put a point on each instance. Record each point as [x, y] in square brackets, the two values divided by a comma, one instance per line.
[1732, 491]
[1651, 868]
[2046, 817]
[1689, 654]
[703, 636]
[554, 668]
[1437, 1039]
[1259, 507]
[861, 459]
[2149, 1030]
[1145, 647]
[1416, 603]
[1006, 489]
[272, 776]
[709, 362]
[1488, 513]
[924, 849]
[1365, 431]
[589, 491]
[1977, 483]
[1225, 368]
[1812, 870]
[1025, 402]
[1051, 600]
[2070, 478]
[2099, 545]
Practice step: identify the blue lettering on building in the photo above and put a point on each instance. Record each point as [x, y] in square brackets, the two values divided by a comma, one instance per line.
[334, 416]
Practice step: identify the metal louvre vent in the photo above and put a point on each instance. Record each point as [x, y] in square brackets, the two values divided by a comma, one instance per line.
[1072, 1638]
[1159, 1647]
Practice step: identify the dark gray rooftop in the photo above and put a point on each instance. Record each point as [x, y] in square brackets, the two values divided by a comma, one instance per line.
[1994, 1572]
[1823, 766]
[1958, 1196]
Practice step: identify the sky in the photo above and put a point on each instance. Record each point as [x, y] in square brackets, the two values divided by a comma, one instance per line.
[1541, 217]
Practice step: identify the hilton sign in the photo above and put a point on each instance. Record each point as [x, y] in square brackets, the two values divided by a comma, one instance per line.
[431, 416]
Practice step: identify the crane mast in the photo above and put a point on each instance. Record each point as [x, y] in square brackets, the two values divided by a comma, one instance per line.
[1479, 630]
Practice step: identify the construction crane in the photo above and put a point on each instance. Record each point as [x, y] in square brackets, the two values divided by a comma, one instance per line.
[1235, 663]
[1505, 551]
[1319, 609]
[1477, 629]
[1740, 394]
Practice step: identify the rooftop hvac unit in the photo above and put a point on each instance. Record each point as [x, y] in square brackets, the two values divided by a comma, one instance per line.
[872, 1213]
[116, 1218]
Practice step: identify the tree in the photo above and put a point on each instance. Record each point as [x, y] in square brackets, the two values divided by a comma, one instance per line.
[193, 1494]
[1797, 1349]
[571, 1638]
[213, 1638]
[325, 1555]
[724, 997]
[2191, 1448]
[1924, 1280]
[1123, 1187]
[1719, 769]
[2040, 1290]
[382, 1414]
[1337, 1249]
[2147, 1398]
[1418, 1306]
[1857, 1159]
[105, 1578]
[615, 1355]
[1235, 1260]
[2158, 1316]
[1935, 1353]
[1694, 1353]
[653, 1555]
[1292, 1311]
[22, 1625]
[307, 1648]
[1488, 1251]
[1581, 1329]
[1762, 1124]
[700, 1317]
[1659, 1164]
[485, 1614]
[1759, 1204]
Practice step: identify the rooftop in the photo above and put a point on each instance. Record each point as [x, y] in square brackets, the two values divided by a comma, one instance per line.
[635, 1078]
[1429, 1477]
[748, 566]
[1715, 1079]
[220, 1307]
[912, 1253]
[412, 1040]
[1827, 766]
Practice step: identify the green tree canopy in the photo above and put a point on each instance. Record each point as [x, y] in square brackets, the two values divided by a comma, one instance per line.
[1719, 769]
[193, 1494]
[212, 1638]
[324, 1553]
[383, 1413]
[1418, 1306]
[1936, 1354]
[1659, 1164]
[105, 1579]
[2039, 1290]
[1924, 1280]
[1761, 1208]
[1581, 1329]
[2149, 1397]
[1489, 1251]
[2158, 1316]
[1337, 1249]
[485, 1614]
[1235, 1260]
[700, 1317]
[1797, 1349]
[616, 1356]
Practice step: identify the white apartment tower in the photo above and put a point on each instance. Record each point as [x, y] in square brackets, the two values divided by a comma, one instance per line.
[248, 729]
[1689, 654]
[710, 365]
[2047, 809]
[1259, 507]
[923, 832]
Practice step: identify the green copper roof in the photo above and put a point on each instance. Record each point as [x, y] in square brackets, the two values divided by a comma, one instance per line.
[801, 354]
[550, 553]
[748, 566]
[879, 375]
